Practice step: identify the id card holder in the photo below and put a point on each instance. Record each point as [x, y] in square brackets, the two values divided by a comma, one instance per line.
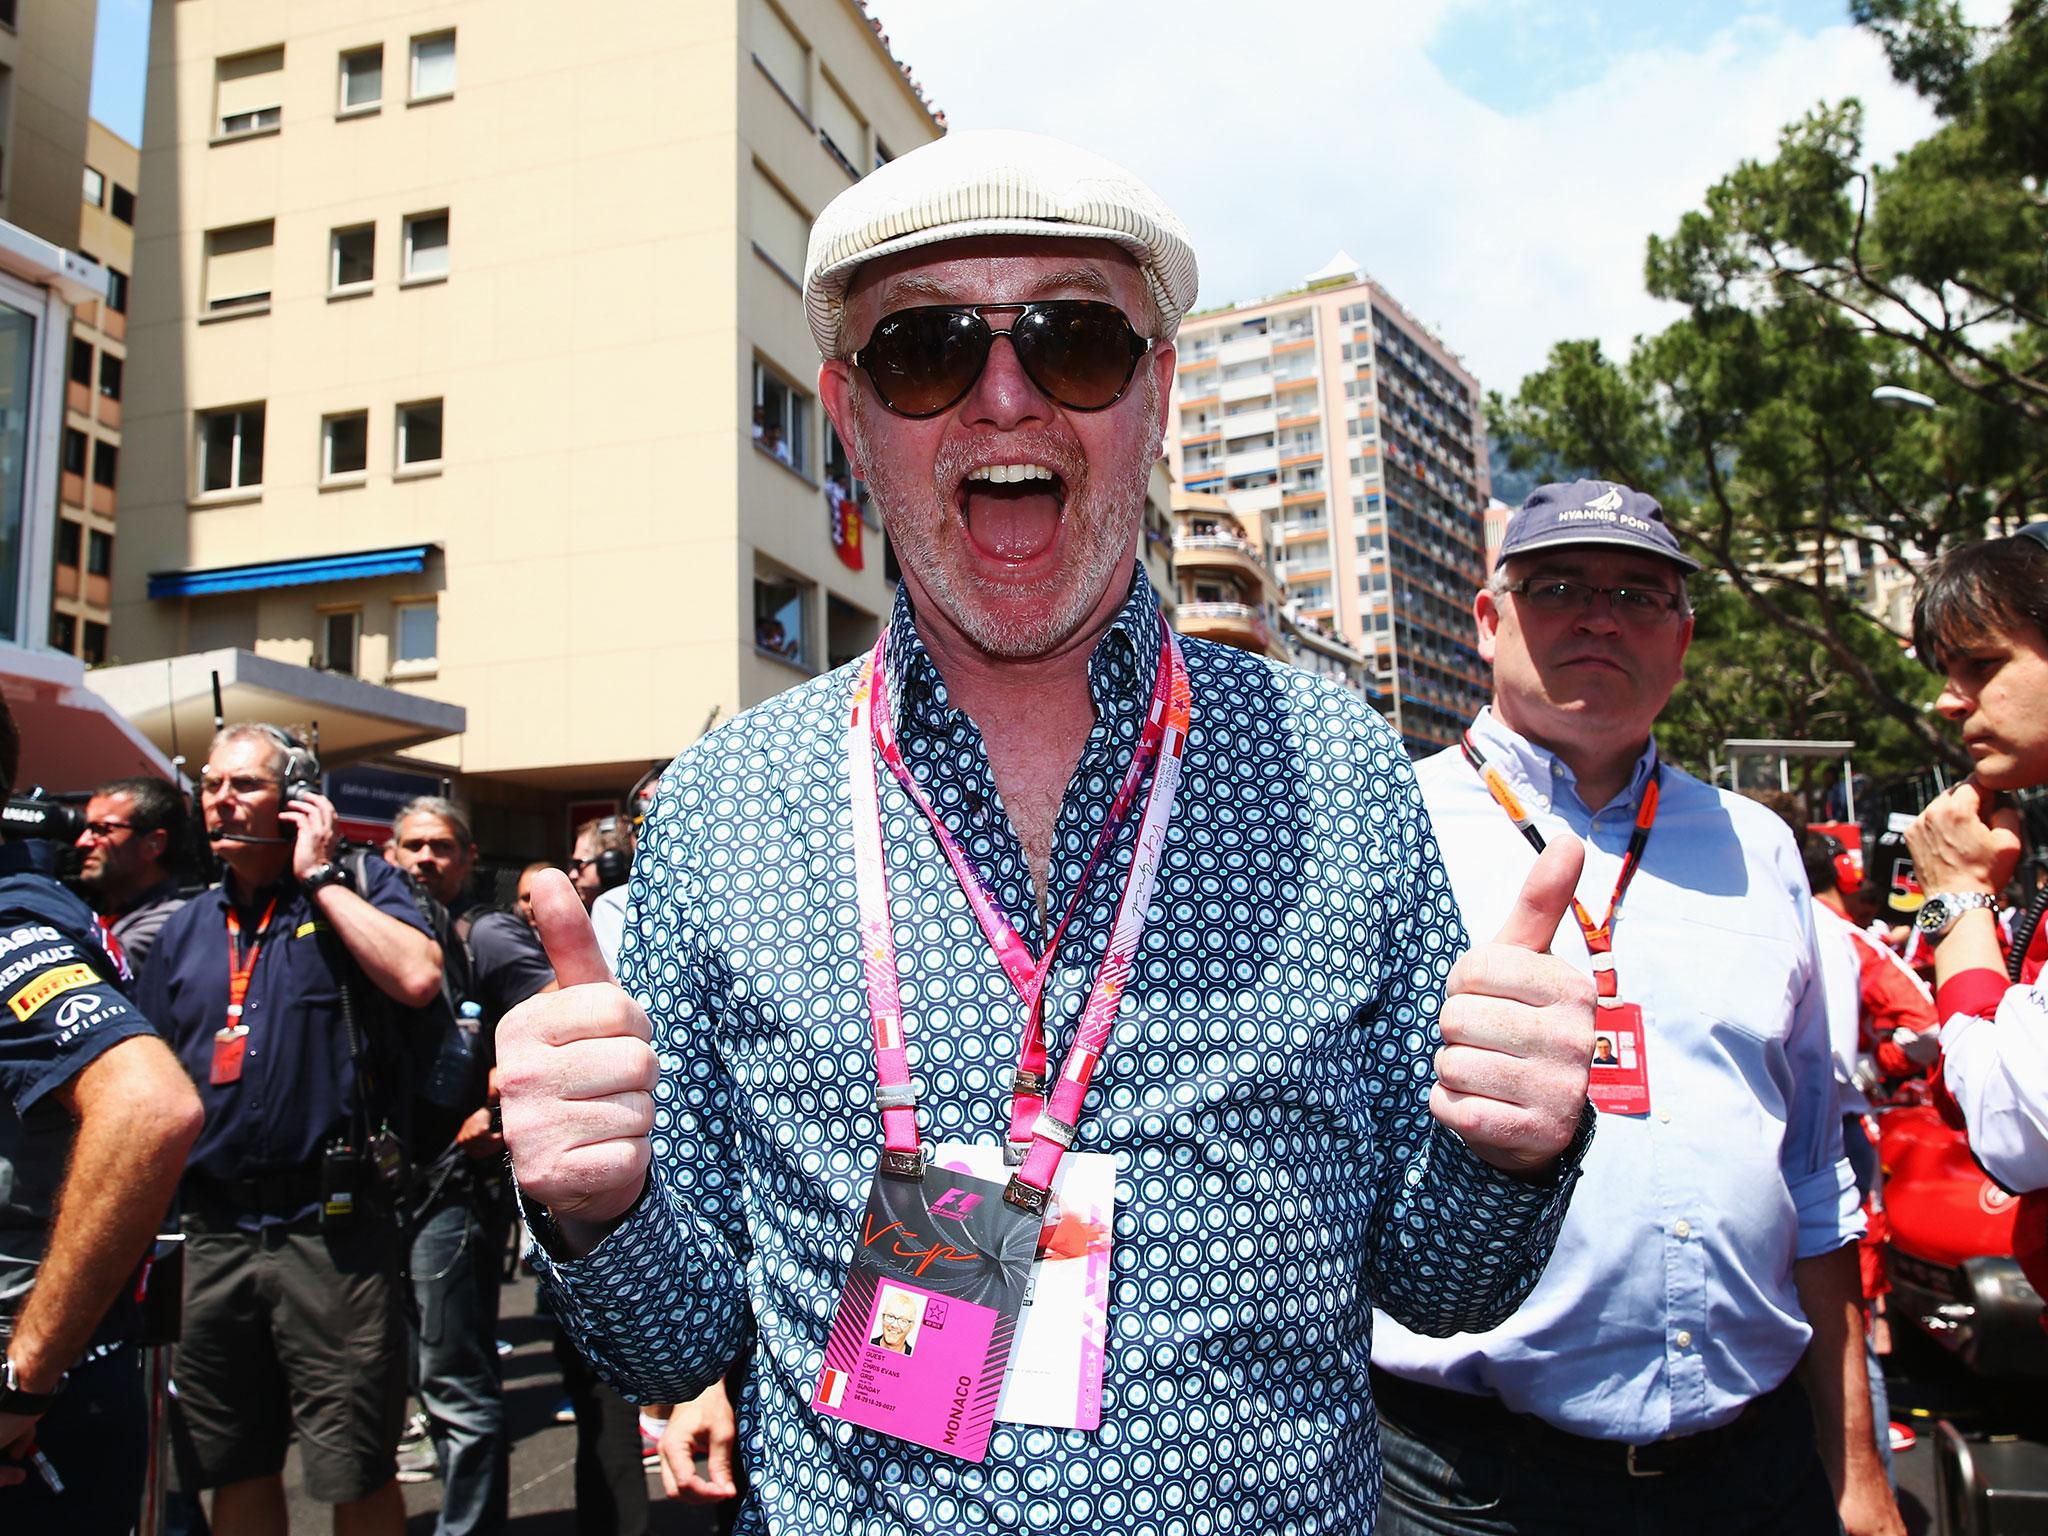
[228, 1046]
[1062, 1333]
[1620, 1083]
[921, 1338]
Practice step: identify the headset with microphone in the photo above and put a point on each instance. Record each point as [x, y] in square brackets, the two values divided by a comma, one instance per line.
[301, 778]
[614, 865]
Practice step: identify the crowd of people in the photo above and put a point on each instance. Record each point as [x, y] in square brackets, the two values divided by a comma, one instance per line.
[1561, 1230]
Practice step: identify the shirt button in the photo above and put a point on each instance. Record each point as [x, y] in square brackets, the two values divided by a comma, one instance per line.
[1683, 1228]
[1664, 1116]
[1543, 802]
[1683, 1339]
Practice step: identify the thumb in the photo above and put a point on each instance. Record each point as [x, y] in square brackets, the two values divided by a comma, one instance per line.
[565, 931]
[1545, 896]
[718, 1461]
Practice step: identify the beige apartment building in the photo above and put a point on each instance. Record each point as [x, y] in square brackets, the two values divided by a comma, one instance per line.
[45, 88]
[81, 588]
[469, 360]
[1334, 414]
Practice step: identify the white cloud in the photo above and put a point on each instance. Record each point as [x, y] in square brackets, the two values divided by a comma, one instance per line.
[1282, 133]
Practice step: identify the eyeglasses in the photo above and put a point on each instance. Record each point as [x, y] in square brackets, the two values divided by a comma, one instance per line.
[1080, 352]
[242, 784]
[1635, 605]
[101, 831]
[577, 866]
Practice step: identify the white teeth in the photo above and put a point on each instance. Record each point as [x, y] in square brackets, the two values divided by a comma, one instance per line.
[1005, 474]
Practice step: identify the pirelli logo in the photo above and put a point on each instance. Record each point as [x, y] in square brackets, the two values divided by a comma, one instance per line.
[51, 984]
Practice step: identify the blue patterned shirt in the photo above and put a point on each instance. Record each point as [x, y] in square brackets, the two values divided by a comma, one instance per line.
[1264, 1094]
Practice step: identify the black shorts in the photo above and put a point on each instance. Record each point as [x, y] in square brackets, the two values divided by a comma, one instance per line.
[292, 1330]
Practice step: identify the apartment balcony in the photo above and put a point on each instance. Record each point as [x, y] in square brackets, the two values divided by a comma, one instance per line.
[1295, 382]
[1264, 498]
[1221, 553]
[1244, 349]
[1257, 387]
[1253, 423]
[1305, 528]
[1255, 461]
[1237, 624]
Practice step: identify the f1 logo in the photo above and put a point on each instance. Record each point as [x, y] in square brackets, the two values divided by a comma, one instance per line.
[958, 1204]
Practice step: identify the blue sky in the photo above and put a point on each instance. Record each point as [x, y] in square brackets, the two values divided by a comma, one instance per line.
[1497, 164]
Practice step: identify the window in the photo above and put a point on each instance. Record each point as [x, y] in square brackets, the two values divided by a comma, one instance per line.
[782, 419]
[106, 460]
[95, 188]
[64, 632]
[248, 91]
[344, 446]
[416, 633]
[351, 258]
[780, 608]
[231, 449]
[782, 55]
[99, 553]
[74, 451]
[426, 246]
[362, 79]
[70, 541]
[781, 231]
[883, 154]
[433, 66]
[111, 371]
[840, 129]
[123, 205]
[419, 434]
[338, 632]
[238, 267]
[117, 290]
[81, 360]
[94, 652]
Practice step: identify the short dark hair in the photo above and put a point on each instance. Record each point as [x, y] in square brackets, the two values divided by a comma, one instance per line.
[10, 749]
[1818, 851]
[1993, 587]
[156, 804]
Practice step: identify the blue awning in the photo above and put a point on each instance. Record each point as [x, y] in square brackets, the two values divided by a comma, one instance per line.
[403, 561]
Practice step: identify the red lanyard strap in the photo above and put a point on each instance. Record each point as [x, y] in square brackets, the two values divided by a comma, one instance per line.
[1045, 1135]
[1599, 936]
[241, 968]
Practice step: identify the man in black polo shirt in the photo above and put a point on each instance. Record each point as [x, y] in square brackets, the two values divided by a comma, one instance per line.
[95, 1120]
[268, 987]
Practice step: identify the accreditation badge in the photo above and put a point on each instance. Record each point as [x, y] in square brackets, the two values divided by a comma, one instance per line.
[922, 1336]
[1620, 1083]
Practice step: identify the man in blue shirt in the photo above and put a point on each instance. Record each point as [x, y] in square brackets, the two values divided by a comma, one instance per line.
[273, 988]
[1647, 1382]
[95, 1120]
[996, 312]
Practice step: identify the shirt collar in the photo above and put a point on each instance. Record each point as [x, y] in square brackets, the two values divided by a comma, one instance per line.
[163, 890]
[1543, 771]
[1122, 669]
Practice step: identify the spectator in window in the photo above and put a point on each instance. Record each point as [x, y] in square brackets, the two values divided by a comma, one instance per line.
[134, 845]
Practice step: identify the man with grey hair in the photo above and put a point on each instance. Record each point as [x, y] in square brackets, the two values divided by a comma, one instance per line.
[1160, 917]
[459, 1214]
[272, 988]
[1699, 1326]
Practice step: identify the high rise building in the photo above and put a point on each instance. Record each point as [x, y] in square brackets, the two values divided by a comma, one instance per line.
[470, 360]
[81, 592]
[1335, 414]
[45, 86]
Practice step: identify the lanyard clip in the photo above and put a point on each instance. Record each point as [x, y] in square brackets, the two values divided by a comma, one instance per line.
[1014, 1153]
[1024, 1080]
[895, 1096]
[1056, 1131]
[1028, 1198]
[903, 1165]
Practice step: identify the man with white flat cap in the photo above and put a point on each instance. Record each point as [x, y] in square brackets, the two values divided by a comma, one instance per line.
[1094, 992]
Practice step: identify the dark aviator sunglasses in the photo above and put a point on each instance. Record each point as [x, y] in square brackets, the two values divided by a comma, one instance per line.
[1081, 353]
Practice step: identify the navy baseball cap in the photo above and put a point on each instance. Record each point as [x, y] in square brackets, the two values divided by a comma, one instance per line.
[1603, 512]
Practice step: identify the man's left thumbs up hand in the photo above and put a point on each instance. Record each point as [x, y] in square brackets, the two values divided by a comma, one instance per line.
[1518, 1031]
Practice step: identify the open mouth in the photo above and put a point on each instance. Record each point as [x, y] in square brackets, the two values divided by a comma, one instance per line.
[1012, 511]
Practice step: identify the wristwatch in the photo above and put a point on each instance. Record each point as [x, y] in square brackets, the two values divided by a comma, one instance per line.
[14, 1399]
[321, 876]
[1938, 913]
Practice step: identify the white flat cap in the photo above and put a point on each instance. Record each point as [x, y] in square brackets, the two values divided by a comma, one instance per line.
[992, 181]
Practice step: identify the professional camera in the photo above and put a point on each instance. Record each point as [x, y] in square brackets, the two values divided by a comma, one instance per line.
[50, 828]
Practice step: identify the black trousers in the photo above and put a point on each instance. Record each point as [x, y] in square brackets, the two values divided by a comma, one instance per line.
[611, 1482]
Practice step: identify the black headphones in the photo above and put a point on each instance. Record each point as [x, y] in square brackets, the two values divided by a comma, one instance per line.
[301, 767]
[614, 865]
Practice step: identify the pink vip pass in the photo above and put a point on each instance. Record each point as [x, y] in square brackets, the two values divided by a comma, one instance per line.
[923, 1331]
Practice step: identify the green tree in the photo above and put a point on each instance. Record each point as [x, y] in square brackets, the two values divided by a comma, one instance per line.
[1806, 281]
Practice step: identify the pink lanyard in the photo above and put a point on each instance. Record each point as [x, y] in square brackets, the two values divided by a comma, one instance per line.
[1041, 1134]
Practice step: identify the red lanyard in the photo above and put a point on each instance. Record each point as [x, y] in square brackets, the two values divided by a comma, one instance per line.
[240, 969]
[1040, 1133]
[1599, 936]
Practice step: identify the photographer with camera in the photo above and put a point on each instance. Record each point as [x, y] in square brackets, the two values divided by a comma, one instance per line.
[282, 990]
[460, 1211]
[132, 842]
[96, 1117]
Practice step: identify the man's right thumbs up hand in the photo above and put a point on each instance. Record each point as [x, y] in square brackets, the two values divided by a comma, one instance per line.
[576, 1079]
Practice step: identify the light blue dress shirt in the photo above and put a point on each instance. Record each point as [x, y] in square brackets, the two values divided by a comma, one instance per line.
[1669, 1302]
